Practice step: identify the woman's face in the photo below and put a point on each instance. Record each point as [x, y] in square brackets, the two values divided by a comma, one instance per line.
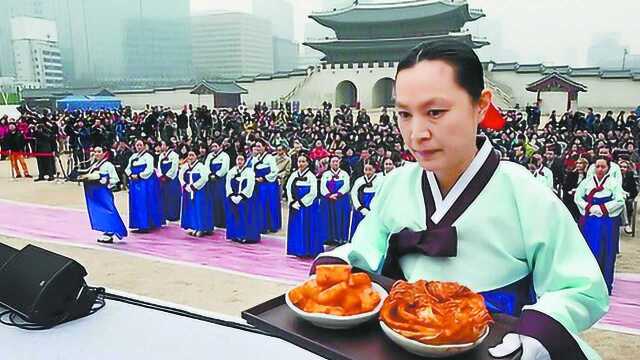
[98, 153]
[139, 146]
[192, 157]
[240, 161]
[437, 118]
[369, 170]
[581, 166]
[388, 166]
[303, 163]
[601, 168]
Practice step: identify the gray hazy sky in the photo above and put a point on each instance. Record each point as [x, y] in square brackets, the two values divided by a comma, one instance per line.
[551, 31]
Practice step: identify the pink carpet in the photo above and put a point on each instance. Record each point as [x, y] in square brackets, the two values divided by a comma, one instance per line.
[266, 259]
[624, 304]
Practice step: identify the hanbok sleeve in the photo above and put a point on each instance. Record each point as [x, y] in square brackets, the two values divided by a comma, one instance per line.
[127, 170]
[149, 169]
[111, 172]
[251, 183]
[175, 164]
[308, 199]
[273, 169]
[354, 194]
[324, 190]
[224, 168]
[571, 291]
[183, 169]
[227, 185]
[290, 186]
[345, 183]
[581, 192]
[616, 204]
[204, 177]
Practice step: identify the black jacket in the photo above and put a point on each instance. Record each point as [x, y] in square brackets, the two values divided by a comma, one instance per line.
[14, 141]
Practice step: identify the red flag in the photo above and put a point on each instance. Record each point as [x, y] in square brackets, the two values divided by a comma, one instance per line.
[493, 119]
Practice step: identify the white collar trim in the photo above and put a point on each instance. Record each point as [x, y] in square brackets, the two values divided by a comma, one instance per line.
[443, 205]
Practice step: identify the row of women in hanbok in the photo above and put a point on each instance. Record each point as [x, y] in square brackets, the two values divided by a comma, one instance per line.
[200, 194]
[245, 199]
[331, 217]
[601, 200]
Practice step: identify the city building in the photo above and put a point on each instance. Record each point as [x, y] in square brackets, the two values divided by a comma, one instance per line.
[99, 40]
[38, 63]
[157, 49]
[280, 14]
[8, 10]
[230, 45]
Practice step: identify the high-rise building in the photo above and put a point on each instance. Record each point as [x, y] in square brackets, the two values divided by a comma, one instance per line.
[231, 44]
[16, 8]
[285, 54]
[37, 55]
[279, 13]
[107, 40]
[158, 50]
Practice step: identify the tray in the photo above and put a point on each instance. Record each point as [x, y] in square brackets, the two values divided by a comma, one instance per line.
[365, 342]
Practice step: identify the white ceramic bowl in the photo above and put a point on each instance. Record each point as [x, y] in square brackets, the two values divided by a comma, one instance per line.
[434, 351]
[340, 322]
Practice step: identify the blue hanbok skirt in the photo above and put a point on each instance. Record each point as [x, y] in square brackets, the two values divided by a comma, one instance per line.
[268, 200]
[171, 194]
[602, 235]
[145, 210]
[356, 216]
[103, 214]
[334, 220]
[303, 238]
[242, 220]
[217, 198]
[196, 211]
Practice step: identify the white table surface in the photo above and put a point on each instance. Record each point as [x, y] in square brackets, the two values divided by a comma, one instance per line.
[121, 331]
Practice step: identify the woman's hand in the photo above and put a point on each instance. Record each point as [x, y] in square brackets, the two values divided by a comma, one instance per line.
[532, 349]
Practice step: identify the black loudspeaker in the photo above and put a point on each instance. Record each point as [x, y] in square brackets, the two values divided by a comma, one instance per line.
[45, 288]
[6, 253]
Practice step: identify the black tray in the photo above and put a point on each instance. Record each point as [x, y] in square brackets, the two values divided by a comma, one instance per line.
[365, 342]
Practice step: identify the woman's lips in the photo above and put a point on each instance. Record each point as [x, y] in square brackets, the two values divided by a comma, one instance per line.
[425, 154]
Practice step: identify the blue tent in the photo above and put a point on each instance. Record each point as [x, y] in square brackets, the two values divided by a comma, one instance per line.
[72, 103]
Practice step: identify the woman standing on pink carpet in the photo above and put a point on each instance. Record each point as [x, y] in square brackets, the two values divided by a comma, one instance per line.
[243, 224]
[145, 212]
[196, 207]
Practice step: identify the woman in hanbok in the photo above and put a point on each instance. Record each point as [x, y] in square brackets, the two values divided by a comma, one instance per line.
[303, 238]
[217, 163]
[196, 214]
[460, 214]
[387, 166]
[170, 192]
[600, 200]
[335, 206]
[240, 206]
[145, 209]
[362, 193]
[267, 189]
[103, 214]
